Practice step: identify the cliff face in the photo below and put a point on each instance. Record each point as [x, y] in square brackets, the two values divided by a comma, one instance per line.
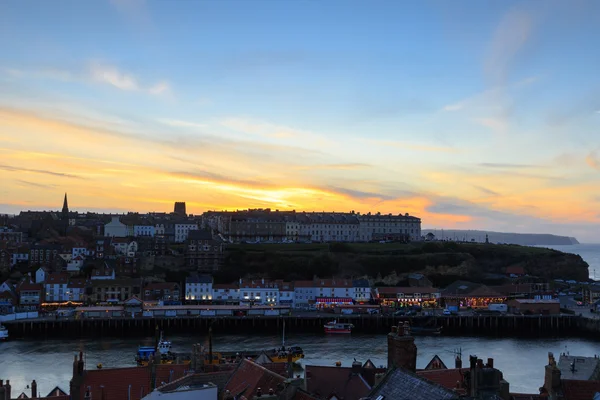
[442, 261]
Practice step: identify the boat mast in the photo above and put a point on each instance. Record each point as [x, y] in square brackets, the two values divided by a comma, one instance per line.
[283, 336]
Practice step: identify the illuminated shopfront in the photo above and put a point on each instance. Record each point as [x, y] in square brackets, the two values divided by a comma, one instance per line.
[468, 294]
[330, 302]
[425, 297]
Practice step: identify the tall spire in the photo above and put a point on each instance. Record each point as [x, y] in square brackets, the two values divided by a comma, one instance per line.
[65, 209]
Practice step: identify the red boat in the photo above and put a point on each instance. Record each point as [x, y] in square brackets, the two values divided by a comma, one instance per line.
[337, 327]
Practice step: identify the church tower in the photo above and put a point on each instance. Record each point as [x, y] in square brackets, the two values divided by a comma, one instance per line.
[65, 209]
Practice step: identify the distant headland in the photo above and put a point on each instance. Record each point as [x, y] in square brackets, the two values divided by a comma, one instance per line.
[523, 239]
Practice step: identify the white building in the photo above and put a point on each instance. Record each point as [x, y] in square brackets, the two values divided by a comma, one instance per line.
[259, 292]
[382, 226]
[292, 230]
[40, 275]
[182, 231]
[115, 228]
[334, 288]
[286, 293]
[79, 251]
[124, 246]
[144, 230]
[199, 288]
[18, 257]
[159, 229]
[226, 294]
[56, 288]
[304, 294]
[75, 264]
[362, 290]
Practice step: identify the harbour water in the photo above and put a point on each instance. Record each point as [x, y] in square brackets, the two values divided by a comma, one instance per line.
[49, 362]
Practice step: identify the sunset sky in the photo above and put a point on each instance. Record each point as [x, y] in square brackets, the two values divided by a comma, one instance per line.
[468, 114]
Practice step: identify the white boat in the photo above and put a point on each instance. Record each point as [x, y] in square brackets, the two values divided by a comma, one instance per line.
[3, 333]
[337, 327]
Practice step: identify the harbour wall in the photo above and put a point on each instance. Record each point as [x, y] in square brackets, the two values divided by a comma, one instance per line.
[497, 325]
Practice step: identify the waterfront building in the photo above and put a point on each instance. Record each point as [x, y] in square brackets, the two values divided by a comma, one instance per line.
[76, 290]
[165, 292]
[533, 306]
[333, 292]
[469, 294]
[304, 294]
[115, 228]
[8, 298]
[258, 292]
[203, 251]
[114, 290]
[182, 231]
[56, 287]
[408, 296]
[198, 288]
[226, 294]
[286, 293]
[361, 291]
[31, 295]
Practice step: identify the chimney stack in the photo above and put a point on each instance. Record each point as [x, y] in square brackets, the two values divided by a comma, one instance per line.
[2, 391]
[259, 392]
[34, 391]
[458, 362]
[7, 390]
[356, 367]
[490, 362]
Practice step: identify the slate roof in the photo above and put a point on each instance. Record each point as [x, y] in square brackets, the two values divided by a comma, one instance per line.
[200, 234]
[249, 376]
[325, 382]
[400, 384]
[464, 288]
[585, 367]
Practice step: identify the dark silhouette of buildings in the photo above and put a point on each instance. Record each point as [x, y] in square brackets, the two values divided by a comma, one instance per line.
[179, 208]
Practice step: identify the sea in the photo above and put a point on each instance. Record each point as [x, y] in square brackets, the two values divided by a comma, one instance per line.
[590, 252]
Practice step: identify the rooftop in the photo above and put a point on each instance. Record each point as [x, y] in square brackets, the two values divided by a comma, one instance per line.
[578, 368]
[402, 385]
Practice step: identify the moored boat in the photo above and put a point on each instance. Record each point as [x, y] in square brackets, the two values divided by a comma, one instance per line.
[163, 348]
[338, 327]
[3, 333]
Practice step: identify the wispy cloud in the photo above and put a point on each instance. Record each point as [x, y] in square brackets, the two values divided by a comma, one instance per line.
[38, 171]
[593, 160]
[486, 191]
[37, 185]
[111, 75]
[359, 194]
[508, 41]
[410, 146]
[508, 166]
[270, 130]
[348, 166]
[182, 124]
[454, 107]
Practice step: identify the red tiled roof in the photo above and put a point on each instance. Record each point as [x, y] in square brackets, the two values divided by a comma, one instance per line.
[29, 286]
[225, 286]
[444, 377]
[339, 381]
[116, 383]
[279, 368]
[163, 372]
[515, 270]
[305, 284]
[579, 390]
[250, 376]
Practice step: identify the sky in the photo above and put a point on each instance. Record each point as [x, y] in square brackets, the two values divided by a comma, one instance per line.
[468, 114]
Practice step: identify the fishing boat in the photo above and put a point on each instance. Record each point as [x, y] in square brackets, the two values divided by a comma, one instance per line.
[281, 354]
[163, 348]
[3, 333]
[338, 327]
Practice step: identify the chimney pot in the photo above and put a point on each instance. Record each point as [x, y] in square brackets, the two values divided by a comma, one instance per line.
[457, 362]
[479, 363]
[271, 392]
[259, 392]
[490, 362]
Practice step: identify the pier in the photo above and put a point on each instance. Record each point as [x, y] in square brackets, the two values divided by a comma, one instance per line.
[496, 325]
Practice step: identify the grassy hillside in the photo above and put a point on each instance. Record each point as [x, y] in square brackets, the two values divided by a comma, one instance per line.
[442, 262]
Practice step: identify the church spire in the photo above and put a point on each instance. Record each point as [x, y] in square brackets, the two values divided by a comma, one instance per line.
[65, 209]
